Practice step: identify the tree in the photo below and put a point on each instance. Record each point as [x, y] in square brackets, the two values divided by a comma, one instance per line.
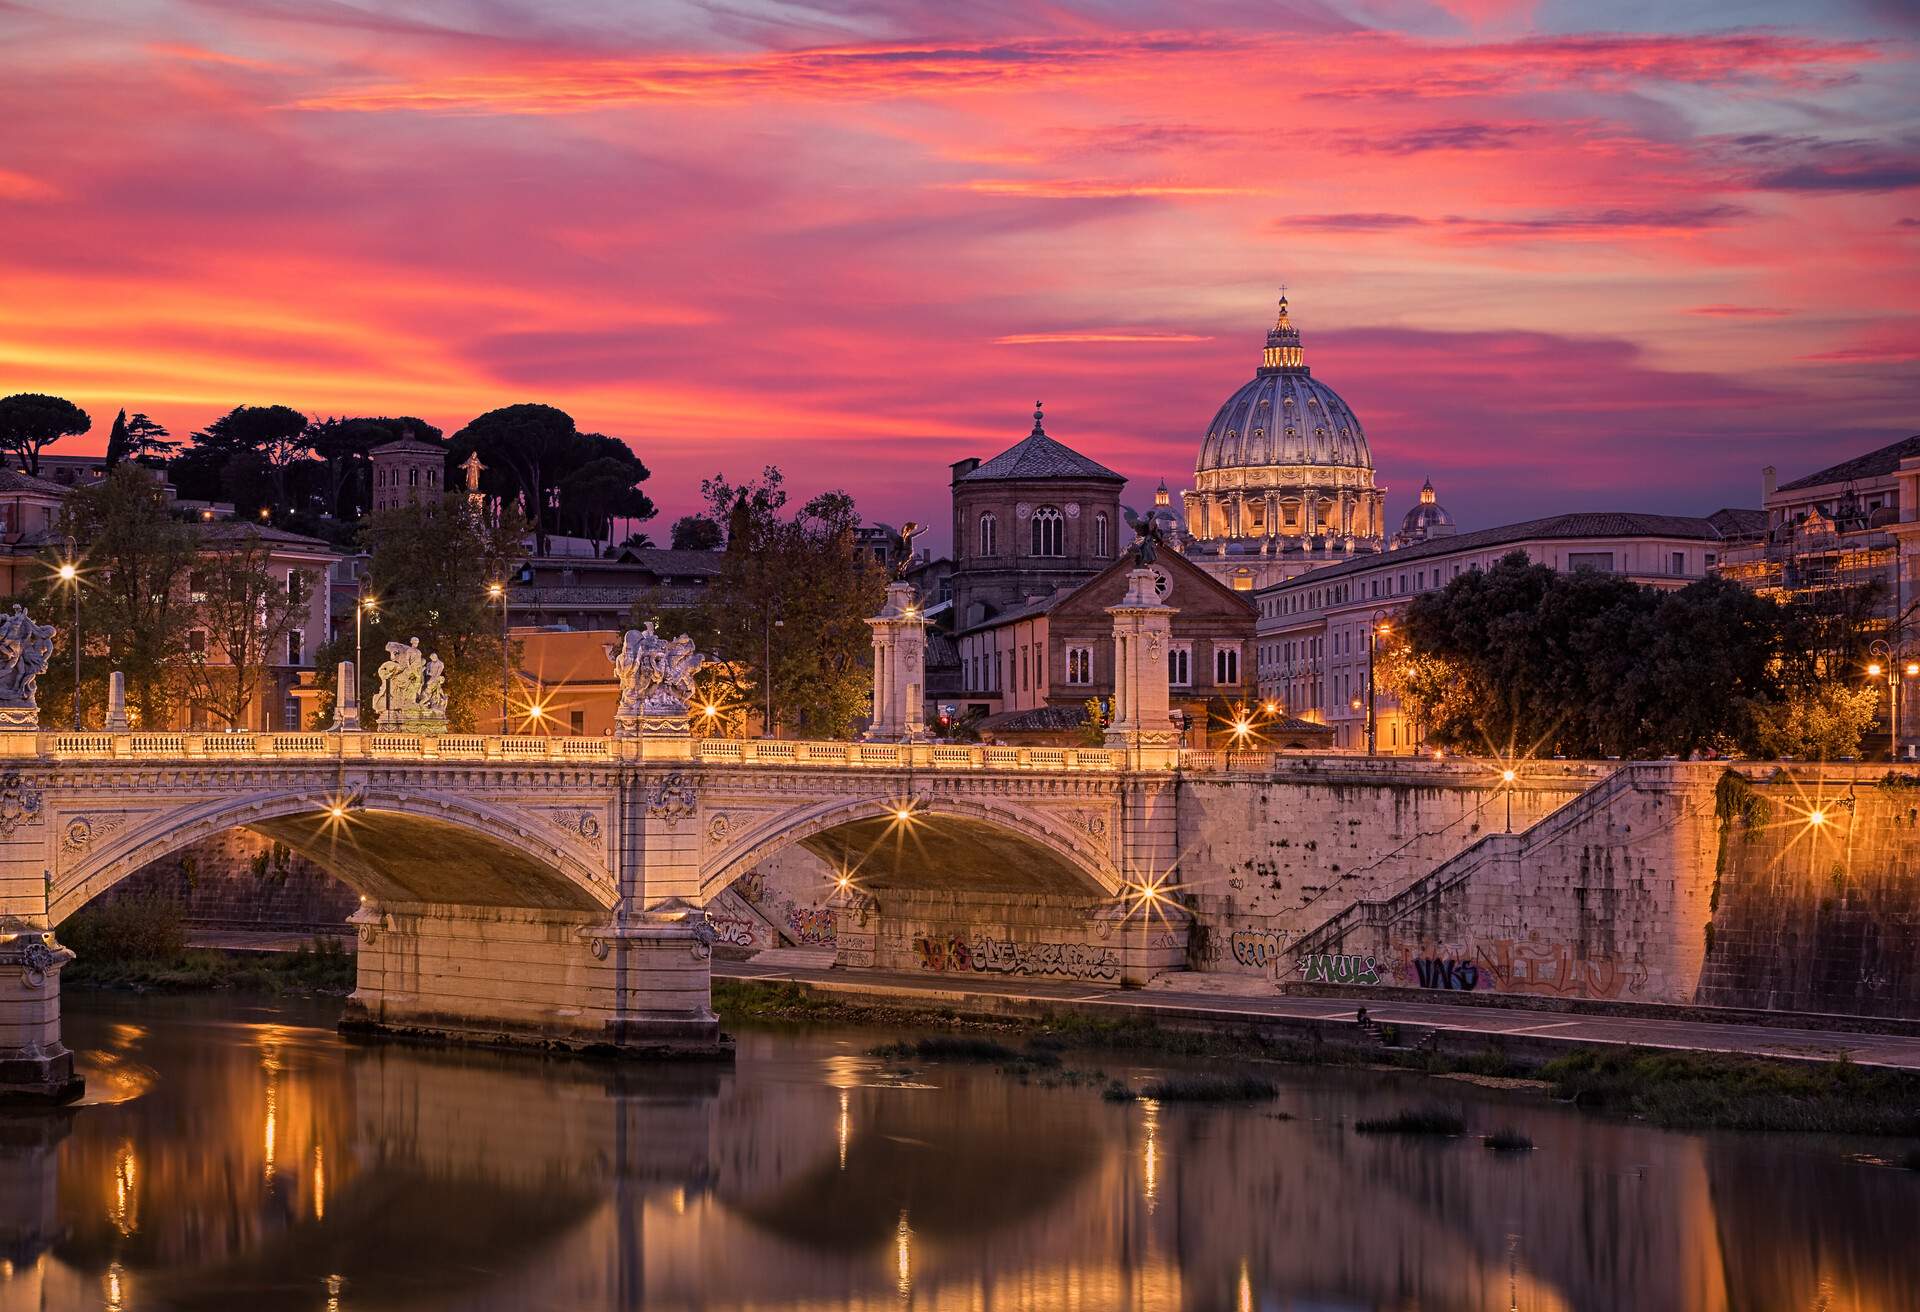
[1818, 723]
[601, 490]
[117, 440]
[430, 566]
[277, 434]
[344, 446]
[245, 609]
[525, 450]
[696, 533]
[803, 576]
[147, 439]
[134, 604]
[31, 421]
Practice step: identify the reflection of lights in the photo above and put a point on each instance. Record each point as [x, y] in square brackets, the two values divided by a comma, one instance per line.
[1151, 1106]
[116, 1286]
[333, 1293]
[903, 1254]
[1246, 1288]
[125, 1213]
[319, 1184]
[846, 1127]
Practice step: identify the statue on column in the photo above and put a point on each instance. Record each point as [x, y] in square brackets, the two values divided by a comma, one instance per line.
[413, 694]
[656, 681]
[25, 649]
[1147, 536]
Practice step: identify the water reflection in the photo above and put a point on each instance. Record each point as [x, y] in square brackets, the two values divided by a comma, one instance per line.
[269, 1164]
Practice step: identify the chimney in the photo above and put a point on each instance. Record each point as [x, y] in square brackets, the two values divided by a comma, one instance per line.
[961, 468]
[1766, 485]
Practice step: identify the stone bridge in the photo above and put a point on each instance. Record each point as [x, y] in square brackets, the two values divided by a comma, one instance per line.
[552, 889]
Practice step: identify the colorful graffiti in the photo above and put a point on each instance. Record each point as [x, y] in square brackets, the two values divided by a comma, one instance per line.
[1337, 968]
[1532, 966]
[955, 952]
[814, 927]
[1446, 973]
[1257, 948]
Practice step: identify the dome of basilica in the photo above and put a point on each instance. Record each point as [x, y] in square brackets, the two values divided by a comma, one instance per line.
[1283, 416]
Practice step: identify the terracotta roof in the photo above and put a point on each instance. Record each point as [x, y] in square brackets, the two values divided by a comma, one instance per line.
[12, 480]
[1580, 524]
[1036, 719]
[1038, 456]
[228, 530]
[1874, 464]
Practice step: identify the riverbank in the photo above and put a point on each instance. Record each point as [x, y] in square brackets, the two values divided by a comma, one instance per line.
[321, 968]
[1670, 1088]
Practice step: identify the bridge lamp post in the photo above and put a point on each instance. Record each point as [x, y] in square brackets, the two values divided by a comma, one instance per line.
[1889, 667]
[362, 607]
[69, 576]
[766, 670]
[1507, 777]
[1381, 625]
[498, 592]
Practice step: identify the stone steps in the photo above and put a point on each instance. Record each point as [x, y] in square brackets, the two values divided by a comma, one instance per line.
[794, 958]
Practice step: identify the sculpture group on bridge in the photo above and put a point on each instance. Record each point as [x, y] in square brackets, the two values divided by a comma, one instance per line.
[413, 690]
[656, 681]
[25, 649]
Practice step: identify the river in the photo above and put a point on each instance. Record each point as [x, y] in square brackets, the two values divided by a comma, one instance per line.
[241, 1155]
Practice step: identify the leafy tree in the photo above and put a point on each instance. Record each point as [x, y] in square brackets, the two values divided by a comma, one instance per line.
[31, 421]
[343, 446]
[696, 533]
[430, 566]
[794, 589]
[147, 439]
[246, 610]
[1819, 722]
[276, 434]
[134, 606]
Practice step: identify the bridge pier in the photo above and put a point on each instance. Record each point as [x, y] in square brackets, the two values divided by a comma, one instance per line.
[35, 1066]
[518, 976]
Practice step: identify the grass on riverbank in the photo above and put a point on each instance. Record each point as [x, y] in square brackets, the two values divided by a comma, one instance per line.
[141, 943]
[1673, 1090]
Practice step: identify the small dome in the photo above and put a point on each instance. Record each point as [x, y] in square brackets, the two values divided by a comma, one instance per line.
[1284, 416]
[1426, 519]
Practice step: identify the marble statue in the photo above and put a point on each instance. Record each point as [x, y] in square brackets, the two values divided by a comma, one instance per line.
[656, 680]
[413, 693]
[25, 649]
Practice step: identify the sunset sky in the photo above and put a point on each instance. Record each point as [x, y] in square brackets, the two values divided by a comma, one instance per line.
[1555, 256]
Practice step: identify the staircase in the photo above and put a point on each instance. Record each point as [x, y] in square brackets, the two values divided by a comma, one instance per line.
[793, 958]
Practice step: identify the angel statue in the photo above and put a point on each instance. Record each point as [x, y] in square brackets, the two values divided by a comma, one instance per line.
[1147, 536]
[656, 679]
[900, 545]
[25, 649]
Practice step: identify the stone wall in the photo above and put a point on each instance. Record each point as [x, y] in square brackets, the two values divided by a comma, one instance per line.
[1028, 936]
[1267, 860]
[1820, 917]
[242, 879]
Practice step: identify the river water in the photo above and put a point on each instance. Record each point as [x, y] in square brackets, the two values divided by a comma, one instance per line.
[235, 1155]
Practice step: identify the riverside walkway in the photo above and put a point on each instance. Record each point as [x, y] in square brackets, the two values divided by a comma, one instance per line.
[1337, 1016]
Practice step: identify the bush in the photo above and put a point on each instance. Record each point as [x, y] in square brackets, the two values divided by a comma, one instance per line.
[126, 929]
[1507, 1141]
[1196, 1088]
[1686, 1089]
[1429, 1120]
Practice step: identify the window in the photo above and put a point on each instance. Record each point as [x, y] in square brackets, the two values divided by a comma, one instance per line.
[413, 478]
[296, 647]
[1595, 560]
[197, 586]
[1049, 532]
[1679, 562]
[1226, 666]
[290, 714]
[1026, 669]
[576, 722]
[1080, 665]
[1100, 535]
[987, 526]
[196, 644]
[1180, 665]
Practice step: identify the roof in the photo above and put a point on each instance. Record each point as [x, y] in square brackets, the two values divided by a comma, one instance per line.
[1036, 719]
[1579, 524]
[408, 446]
[1874, 464]
[1038, 456]
[12, 480]
[1121, 564]
[230, 530]
[665, 560]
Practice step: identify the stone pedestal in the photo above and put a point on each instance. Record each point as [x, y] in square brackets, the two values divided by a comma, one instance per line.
[346, 698]
[899, 669]
[1142, 633]
[35, 1066]
[117, 703]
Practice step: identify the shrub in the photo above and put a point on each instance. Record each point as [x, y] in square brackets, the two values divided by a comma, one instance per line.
[1428, 1120]
[148, 928]
[1507, 1141]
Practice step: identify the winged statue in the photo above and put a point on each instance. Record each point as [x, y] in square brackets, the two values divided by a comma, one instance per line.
[900, 545]
[1147, 535]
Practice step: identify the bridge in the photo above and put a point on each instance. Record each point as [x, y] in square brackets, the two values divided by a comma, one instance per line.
[552, 889]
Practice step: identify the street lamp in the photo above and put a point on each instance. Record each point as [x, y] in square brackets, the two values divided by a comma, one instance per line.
[1507, 777]
[1381, 624]
[362, 607]
[69, 576]
[498, 592]
[766, 670]
[1893, 670]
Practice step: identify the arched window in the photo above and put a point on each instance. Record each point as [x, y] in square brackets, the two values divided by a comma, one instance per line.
[1100, 535]
[1049, 532]
[987, 526]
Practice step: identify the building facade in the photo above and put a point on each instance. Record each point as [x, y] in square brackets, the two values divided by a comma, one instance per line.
[1315, 631]
[1036, 518]
[405, 472]
[1284, 480]
[1037, 665]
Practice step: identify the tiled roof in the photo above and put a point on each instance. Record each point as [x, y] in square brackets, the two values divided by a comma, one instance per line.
[1874, 464]
[1037, 606]
[1036, 719]
[229, 530]
[1580, 524]
[409, 445]
[665, 560]
[1038, 456]
[12, 480]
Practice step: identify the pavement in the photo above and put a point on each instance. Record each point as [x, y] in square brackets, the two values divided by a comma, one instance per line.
[254, 940]
[1896, 1051]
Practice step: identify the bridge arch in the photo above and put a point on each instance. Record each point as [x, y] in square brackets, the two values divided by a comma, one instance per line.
[980, 845]
[392, 846]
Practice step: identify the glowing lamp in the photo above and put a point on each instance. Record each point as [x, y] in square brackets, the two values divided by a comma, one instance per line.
[337, 811]
[1874, 669]
[1508, 776]
[903, 813]
[496, 590]
[1816, 818]
[1913, 668]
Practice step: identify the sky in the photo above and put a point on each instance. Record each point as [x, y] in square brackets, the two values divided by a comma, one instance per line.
[1555, 256]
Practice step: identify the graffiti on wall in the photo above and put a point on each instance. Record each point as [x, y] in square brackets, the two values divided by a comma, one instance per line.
[815, 927]
[1533, 966]
[737, 930]
[1258, 949]
[956, 952]
[1337, 968]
